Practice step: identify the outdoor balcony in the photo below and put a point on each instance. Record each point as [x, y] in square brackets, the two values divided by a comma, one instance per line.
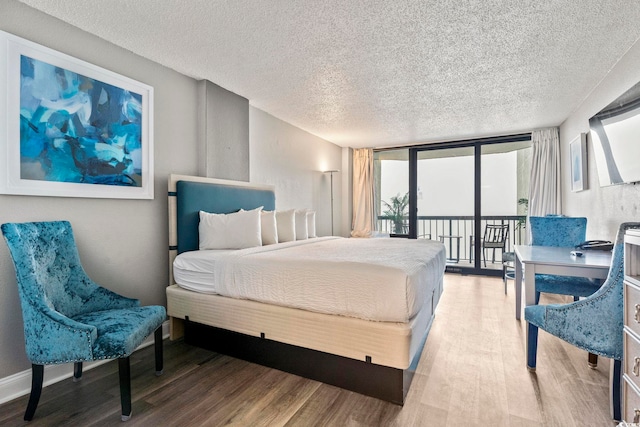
[457, 233]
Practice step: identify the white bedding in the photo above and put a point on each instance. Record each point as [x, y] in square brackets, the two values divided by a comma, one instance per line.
[372, 279]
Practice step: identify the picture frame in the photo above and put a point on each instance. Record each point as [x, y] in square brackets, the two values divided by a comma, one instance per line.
[578, 159]
[73, 129]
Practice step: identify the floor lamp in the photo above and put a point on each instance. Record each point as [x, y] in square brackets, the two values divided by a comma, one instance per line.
[331, 172]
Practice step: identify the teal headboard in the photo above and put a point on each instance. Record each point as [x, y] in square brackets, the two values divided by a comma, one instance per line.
[195, 193]
[192, 197]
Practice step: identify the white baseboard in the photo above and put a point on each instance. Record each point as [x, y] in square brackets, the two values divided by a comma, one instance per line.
[19, 384]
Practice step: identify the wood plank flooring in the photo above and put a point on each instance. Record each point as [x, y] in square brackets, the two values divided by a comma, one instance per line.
[472, 373]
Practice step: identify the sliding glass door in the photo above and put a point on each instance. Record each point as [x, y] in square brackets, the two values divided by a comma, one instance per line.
[504, 199]
[445, 202]
[469, 195]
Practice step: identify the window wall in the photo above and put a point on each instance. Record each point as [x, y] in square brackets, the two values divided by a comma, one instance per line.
[457, 193]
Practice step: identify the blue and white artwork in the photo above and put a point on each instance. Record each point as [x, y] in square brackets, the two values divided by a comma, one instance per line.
[76, 129]
[577, 154]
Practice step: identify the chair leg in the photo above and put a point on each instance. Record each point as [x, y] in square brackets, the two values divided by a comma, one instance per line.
[77, 371]
[532, 347]
[124, 371]
[157, 335]
[593, 361]
[37, 376]
[615, 385]
[504, 278]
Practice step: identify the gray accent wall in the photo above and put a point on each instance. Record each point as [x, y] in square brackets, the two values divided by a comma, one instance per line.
[605, 207]
[123, 243]
[224, 133]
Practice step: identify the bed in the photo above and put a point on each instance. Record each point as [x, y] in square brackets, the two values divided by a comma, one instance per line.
[341, 335]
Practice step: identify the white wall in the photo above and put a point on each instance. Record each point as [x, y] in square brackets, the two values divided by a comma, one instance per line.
[293, 160]
[605, 207]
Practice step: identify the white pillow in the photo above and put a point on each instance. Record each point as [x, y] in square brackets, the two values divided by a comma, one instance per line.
[311, 224]
[301, 225]
[269, 227]
[286, 222]
[237, 230]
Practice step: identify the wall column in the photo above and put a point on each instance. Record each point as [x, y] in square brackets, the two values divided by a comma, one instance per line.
[224, 133]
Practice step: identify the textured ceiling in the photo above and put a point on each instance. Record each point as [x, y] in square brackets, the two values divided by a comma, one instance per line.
[380, 73]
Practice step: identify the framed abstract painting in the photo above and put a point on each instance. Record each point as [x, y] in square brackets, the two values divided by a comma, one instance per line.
[578, 155]
[73, 129]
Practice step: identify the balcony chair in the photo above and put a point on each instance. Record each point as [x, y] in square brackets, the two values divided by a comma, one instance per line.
[561, 231]
[594, 323]
[495, 237]
[69, 318]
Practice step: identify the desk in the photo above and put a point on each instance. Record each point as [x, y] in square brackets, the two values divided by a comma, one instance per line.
[554, 260]
[451, 258]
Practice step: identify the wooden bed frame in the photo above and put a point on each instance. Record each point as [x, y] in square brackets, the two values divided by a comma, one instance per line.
[362, 376]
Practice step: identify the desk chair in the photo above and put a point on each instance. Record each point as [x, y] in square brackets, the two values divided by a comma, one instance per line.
[67, 317]
[561, 231]
[508, 268]
[594, 324]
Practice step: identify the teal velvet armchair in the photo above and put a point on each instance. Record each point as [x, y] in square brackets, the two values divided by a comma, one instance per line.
[561, 231]
[594, 323]
[67, 317]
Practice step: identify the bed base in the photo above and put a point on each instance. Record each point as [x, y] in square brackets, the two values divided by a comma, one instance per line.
[382, 382]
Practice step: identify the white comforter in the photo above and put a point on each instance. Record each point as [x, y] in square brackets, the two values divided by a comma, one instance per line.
[373, 279]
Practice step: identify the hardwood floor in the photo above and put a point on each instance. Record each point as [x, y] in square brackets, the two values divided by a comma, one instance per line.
[472, 373]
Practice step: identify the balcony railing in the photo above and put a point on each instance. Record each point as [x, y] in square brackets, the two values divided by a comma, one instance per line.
[462, 227]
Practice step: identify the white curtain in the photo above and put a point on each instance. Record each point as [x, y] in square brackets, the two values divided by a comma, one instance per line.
[363, 222]
[545, 195]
